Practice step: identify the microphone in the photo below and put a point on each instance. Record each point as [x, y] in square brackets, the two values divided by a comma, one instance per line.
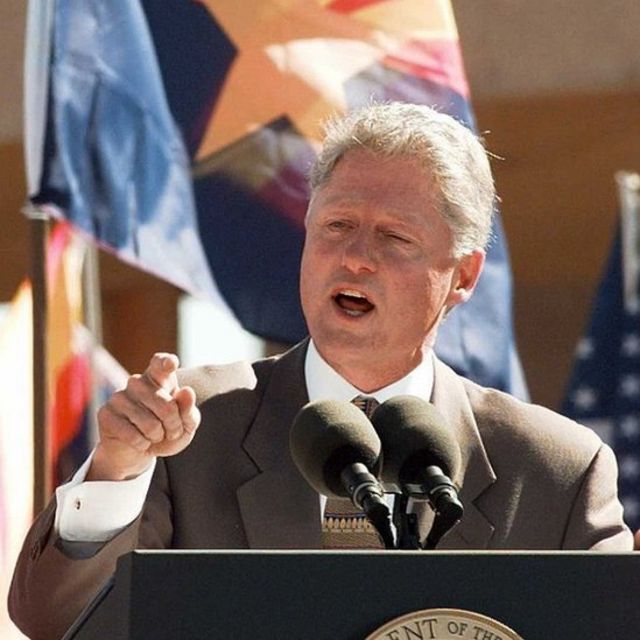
[337, 450]
[420, 458]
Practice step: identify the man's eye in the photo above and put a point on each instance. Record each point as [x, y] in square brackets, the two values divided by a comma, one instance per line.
[396, 238]
[337, 225]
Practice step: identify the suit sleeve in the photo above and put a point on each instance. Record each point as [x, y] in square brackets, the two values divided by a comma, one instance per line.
[55, 579]
[596, 520]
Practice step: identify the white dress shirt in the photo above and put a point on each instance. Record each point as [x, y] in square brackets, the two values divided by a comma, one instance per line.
[324, 383]
[97, 511]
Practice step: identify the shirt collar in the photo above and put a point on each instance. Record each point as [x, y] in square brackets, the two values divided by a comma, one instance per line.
[324, 383]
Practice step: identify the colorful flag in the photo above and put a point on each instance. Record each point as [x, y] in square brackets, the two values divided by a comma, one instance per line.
[80, 373]
[68, 370]
[80, 376]
[86, 96]
[102, 149]
[604, 388]
[16, 441]
[87, 380]
[249, 84]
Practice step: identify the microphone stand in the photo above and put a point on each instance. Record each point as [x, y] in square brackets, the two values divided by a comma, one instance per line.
[406, 524]
[442, 496]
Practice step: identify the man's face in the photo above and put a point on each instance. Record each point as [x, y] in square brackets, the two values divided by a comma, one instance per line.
[377, 268]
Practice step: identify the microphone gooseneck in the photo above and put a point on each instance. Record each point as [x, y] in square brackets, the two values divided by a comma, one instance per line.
[337, 451]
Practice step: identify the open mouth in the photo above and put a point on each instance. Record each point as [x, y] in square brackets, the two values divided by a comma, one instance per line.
[353, 303]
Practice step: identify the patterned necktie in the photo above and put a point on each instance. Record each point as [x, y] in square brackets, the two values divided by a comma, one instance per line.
[344, 526]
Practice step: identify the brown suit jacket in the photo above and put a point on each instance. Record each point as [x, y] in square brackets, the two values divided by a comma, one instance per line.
[530, 479]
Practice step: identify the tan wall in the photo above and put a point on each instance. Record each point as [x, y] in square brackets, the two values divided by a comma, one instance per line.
[139, 319]
[560, 208]
[14, 236]
[549, 47]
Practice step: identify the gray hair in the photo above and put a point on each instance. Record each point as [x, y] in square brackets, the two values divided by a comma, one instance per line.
[453, 155]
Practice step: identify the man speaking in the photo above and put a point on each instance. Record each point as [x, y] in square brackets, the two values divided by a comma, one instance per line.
[396, 230]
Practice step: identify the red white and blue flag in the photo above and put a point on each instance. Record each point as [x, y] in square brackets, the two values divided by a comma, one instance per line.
[604, 388]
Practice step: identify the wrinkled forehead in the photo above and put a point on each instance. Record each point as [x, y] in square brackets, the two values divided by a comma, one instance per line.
[397, 182]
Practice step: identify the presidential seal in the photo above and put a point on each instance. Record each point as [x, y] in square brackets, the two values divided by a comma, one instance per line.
[444, 624]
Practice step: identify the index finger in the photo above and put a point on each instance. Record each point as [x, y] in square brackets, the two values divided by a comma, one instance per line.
[162, 371]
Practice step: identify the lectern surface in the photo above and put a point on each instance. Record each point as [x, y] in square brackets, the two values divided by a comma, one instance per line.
[348, 595]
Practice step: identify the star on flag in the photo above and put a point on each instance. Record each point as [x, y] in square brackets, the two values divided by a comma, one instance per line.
[630, 345]
[295, 58]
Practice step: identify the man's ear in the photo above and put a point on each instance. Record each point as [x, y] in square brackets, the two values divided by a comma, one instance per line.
[465, 277]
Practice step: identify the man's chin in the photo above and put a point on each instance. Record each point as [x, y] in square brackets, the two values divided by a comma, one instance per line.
[341, 344]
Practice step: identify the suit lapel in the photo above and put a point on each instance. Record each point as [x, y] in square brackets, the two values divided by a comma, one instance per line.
[476, 473]
[279, 509]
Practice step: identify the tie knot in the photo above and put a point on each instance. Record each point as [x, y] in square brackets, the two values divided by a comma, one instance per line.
[367, 404]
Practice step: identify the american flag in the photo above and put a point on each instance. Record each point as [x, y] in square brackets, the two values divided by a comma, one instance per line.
[604, 389]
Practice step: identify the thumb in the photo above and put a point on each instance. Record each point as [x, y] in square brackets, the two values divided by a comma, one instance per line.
[185, 398]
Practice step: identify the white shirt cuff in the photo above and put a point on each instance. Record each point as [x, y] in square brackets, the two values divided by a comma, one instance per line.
[98, 511]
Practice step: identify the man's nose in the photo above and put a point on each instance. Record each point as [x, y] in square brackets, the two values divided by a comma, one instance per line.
[359, 252]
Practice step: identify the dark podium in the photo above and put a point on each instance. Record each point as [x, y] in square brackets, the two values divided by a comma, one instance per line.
[328, 595]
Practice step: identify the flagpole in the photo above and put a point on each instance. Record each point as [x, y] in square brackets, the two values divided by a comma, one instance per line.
[92, 309]
[39, 232]
[629, 196]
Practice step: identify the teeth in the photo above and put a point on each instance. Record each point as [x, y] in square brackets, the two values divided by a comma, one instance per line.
[352, 293]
